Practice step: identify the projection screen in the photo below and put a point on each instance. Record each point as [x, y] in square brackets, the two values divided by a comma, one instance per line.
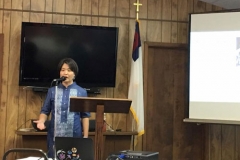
[214, 66]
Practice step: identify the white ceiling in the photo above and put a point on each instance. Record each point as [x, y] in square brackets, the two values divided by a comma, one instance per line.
[226, 4]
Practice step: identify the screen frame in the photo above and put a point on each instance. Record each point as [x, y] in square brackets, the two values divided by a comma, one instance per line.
[23, 82]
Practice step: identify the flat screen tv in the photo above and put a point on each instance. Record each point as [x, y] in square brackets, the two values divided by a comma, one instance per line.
[43, 45]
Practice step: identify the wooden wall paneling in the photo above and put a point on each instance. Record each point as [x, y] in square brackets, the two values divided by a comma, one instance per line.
[49, 5]
[215, 141]
[25, 16]
[146, 91]
[119, 121]
[228, 142]
[26, 4]
[174, 8]
[48, 18]
[121, 88]
[182, 32]
[103, 21]
[36, 17]
[73, 6]
[154, 9]
[95, 7]
[17, 4]
[195, 145]
[237, 149]
[109, 116]
[22, 107]
[72, 19]
[166, 10]
[183, 10]
[166, 32]
[58, 18]
[143, 32]
[190, 6]
[1, 67]
[86, 20]
[6, 31]
[95, 21]
[1, 21]
[206, 142]
[1, 3]
[196, 141]
[112, 22]
[14, 54]
[108, 92]
[199, 6]
[112, 8]
[103, 7]
[143, 10]
[2, 108]
[42, 98]
[38, 5]
[12, 99]
[33, 106]
[86, 7]
[59, 6]
[174, 32]
[132, 12]
[154, 30]
[7, 4]
[122, 8]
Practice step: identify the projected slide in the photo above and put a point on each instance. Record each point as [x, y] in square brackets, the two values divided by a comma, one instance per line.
[214, 89]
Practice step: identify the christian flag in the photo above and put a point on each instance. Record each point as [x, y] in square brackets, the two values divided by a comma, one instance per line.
[135, 92]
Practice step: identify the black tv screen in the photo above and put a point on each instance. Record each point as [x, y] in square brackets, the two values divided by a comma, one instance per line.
[43, 45]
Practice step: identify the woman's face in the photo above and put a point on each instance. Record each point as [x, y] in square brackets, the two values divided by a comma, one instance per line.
[68, 73]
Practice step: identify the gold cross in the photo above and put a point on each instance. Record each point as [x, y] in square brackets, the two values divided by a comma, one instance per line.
[137, 4]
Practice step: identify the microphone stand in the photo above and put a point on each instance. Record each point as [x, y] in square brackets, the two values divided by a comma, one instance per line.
[55, 117]
[55, 122]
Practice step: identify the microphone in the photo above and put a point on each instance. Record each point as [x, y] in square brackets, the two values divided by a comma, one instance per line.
[60, 79]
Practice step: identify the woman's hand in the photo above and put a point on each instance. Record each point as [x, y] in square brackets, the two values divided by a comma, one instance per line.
[40, 124]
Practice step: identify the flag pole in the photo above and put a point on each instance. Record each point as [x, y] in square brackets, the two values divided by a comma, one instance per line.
[136, 83]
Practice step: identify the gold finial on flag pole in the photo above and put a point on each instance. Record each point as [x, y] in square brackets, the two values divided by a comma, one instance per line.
[137, 5]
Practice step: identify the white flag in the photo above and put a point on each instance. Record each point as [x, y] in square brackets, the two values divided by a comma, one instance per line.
[135, 92]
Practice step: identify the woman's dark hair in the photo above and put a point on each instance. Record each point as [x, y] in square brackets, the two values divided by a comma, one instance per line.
[71, 63]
